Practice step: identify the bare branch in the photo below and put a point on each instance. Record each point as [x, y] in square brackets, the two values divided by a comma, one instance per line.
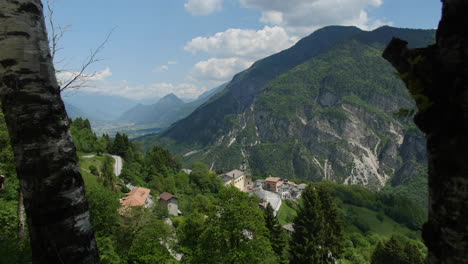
[55, 36]
[79, 78]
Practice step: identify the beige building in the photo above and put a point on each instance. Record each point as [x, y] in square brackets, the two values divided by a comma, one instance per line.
[273, 183]
[235, 178]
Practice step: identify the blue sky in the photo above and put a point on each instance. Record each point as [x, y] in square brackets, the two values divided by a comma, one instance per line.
[189, 46]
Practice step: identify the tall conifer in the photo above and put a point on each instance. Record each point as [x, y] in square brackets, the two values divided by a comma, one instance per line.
[318, 231]
[276, 233]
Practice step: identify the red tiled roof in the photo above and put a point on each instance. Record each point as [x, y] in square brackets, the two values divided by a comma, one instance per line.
[137, 197]
[166, 196]
[273, 179]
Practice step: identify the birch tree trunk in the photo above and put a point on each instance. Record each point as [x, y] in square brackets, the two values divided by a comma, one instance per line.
[437, 77]
[21, 220]
[46, 161]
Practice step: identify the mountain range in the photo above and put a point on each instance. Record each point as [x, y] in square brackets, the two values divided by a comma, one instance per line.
[166, 111]
[112, 114]
[96, 107]
[322, 109]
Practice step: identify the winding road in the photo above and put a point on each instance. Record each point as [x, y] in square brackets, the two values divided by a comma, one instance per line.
[117, 165]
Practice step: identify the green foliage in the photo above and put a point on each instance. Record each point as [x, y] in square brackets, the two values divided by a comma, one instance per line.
[234, 233]
[107, 175]
[133, 172]
[103, 205]
[415, 189]
[147, 248]
[12, 250]
[107, 251]
[399, 208]
[94, 170]
[120, 146]
[287, 212]
[124, 188]
[102, 145]
[269, 159]
[83, 137]
[306, 242]
[403, 211]
[203, 179]
[318, 231]
[276, 234]
[160, 157]
[365, 221]
[182, 180]
[394, 251]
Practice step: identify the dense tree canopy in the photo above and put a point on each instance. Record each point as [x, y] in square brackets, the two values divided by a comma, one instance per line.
[234, 233]
[394, 251]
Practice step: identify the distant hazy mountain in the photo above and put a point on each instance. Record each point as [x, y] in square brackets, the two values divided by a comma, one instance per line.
[322, 109]
[75, 112]
[167, 110]
[100, 107]
[159, 113]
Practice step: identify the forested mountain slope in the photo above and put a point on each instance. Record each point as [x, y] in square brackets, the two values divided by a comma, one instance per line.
[323, 109]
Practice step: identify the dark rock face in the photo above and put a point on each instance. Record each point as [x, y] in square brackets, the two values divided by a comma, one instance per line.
[437, 78]
[326, 98]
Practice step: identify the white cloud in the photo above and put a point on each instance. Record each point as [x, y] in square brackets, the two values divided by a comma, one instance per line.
[155, 90]
[252, 44]
[172, 62]
[219, 70]
[301, 17]
[203, 7]
[161, 68]
[235, 50]
[183, 90]
[99, 76]
[285, 22]
[64, 77]
[98, 83]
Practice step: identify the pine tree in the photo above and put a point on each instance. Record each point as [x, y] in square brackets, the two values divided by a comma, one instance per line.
[276, 233]
[413, 255]
[390, 252]
[333, 227]
[318, 231]
[107, 173]
[307, 239]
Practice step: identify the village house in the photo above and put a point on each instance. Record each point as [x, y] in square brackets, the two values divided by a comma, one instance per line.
[235, 178]
[139, 196]
[272, 184]
[171, 202]
[290, 190]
